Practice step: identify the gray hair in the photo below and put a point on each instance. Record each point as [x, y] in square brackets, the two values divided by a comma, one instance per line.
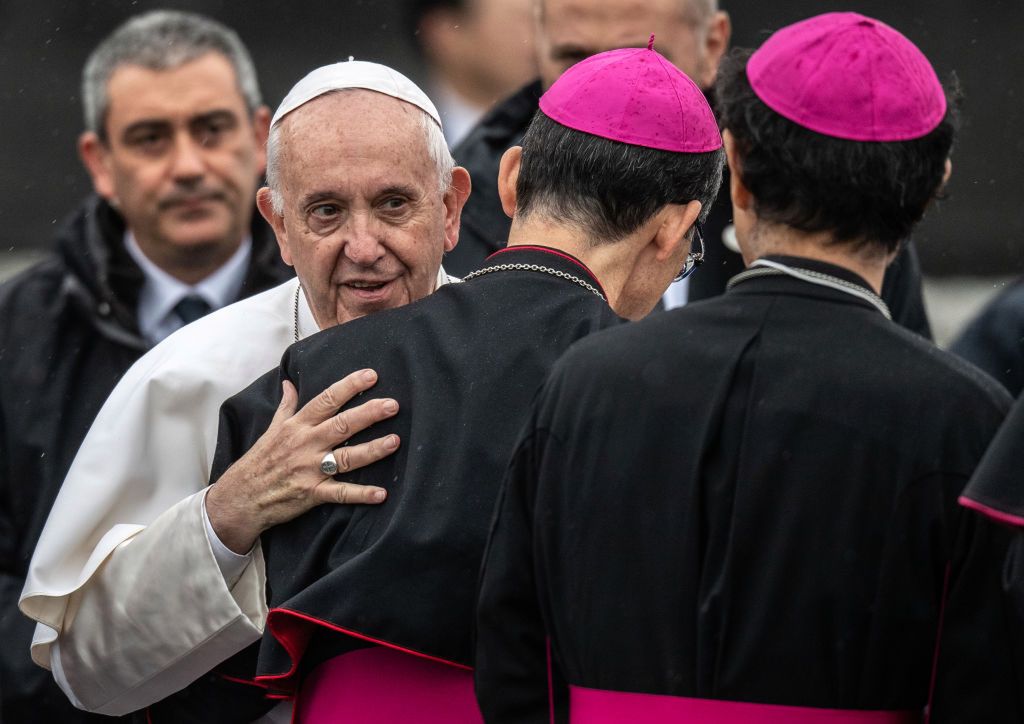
[161, 40]
[437, 149]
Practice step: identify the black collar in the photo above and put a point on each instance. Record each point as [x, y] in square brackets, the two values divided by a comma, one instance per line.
[544, 259]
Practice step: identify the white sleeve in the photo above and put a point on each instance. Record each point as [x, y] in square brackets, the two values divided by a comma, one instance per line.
[124, 576]
[58, 674]
[231, 564]
[126, 643]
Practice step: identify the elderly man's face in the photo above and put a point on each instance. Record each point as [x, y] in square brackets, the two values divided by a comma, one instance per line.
[181, 161]
[365, 221]
[570, 30]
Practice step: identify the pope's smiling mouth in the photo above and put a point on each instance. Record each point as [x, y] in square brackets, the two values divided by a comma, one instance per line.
[369, 290]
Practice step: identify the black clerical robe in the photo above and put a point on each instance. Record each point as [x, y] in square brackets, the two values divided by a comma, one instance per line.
[997, 488]
[750, 499]
[997, 491]
[464, 364]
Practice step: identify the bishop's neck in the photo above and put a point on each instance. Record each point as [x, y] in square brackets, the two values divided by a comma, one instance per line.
[775, 239]
[610, 263]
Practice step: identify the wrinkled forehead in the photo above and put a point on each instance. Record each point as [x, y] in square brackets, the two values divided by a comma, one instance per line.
[357, 134]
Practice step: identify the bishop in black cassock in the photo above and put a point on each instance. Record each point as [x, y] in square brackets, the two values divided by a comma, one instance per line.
[745, 510]
[372, 608]
[997, 490]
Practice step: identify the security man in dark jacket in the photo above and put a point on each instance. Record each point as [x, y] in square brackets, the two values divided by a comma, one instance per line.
[994, 340]
[693, 34]
[174, 143]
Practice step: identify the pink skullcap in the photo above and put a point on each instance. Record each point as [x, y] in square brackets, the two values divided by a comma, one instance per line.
[848, 76]
[634, 96]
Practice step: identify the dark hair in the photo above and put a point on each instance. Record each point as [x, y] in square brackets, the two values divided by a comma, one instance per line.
[870, 194]
[608, 188]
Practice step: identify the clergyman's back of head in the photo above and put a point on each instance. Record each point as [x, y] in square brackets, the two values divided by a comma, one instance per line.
[617, 137]
[854, 143]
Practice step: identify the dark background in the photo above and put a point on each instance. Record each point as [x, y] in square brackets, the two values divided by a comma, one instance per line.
[44, 43]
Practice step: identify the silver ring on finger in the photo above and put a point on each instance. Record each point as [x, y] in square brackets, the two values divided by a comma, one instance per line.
[329, 464]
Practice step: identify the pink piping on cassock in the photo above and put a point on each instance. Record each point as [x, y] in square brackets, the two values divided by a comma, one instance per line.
[596, 706]
[293, 629]
[379, 685]
[997, 515]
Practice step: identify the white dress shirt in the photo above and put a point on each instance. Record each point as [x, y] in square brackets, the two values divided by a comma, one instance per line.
[458, 116]
[677, 294]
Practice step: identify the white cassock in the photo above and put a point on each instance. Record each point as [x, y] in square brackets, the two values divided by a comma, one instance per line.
[124, 578]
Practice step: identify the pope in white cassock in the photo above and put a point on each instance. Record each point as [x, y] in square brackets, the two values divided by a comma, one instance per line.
[140, 584]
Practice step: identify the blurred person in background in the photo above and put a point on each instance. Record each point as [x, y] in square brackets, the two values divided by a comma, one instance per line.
[693, 34]
[477, 52]
[174, 143]
[994, 340]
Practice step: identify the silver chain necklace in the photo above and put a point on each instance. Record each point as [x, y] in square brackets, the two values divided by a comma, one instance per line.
[767, 268]
[536, 268]
[298, 290]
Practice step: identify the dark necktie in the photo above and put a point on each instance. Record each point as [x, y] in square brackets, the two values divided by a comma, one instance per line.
[191, 308]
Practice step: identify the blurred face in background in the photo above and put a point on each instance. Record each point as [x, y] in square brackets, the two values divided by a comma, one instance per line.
[484, 49]
[180, 159]
[570, 30]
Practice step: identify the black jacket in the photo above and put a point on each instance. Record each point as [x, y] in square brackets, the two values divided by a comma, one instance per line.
[485, 227]
[68, 331]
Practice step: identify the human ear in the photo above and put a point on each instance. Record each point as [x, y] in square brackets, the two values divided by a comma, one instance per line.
[676, 220]
[96, 158]
[508, 175]
[454, 201]
[716, 42]
[265, 203]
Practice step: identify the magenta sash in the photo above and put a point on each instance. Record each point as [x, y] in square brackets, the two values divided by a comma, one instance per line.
[596, 706]
[379, 685]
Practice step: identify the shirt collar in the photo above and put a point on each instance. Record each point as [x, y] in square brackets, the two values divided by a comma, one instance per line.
[161, 291]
